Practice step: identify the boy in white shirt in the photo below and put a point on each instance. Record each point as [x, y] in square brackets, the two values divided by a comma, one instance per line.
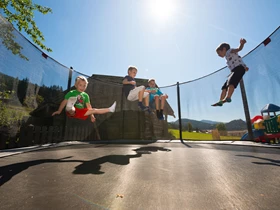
[236, 66]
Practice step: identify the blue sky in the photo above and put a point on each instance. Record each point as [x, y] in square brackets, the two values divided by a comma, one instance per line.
[172, 44]
[170, 40]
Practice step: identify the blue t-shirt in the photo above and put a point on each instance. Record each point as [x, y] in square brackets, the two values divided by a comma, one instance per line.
[152, 95]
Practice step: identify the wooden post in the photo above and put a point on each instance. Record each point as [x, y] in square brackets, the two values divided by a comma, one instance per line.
[44, 135]
[50, 134]
[30, 133]
[37, 139]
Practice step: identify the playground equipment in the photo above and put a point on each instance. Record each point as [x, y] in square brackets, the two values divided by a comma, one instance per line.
[266, 127]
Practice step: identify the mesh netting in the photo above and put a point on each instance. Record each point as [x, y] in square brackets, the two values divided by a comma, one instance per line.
[32, 85]
[261, 85]
[263, 79]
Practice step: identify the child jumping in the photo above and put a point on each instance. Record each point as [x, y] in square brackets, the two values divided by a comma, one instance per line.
[133, 93]
[78, 105]
[236, 66]
[157, 96]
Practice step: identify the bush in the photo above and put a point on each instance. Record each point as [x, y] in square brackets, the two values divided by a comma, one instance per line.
[9, 117]
[216, 135]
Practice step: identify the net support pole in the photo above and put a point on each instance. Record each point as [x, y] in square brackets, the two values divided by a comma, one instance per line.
[179, 111]
[246, 110]
[70, 78]
[68, 89]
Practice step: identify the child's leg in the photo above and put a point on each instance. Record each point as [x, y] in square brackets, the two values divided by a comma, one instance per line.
[97, 111]
[140, 95]
[137, 94]
[233, 81]
[162, 103]
[70, 105]
[163, 99]
[101, 111]
[157, 102]
[71, 112]
[229, 92]
[146, 98]
[156, 97]
[223, 94]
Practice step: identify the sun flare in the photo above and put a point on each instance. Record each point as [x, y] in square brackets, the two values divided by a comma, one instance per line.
[162, 10]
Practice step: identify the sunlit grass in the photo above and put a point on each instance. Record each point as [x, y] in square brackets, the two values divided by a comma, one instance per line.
[199, 136]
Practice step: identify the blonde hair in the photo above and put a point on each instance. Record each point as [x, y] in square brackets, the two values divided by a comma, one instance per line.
[130, 68]
[80, 78]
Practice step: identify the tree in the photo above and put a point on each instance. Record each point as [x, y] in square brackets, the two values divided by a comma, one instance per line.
[221, 127]
[33, 101]
[22, 89]
[190, 128]
[22, 15]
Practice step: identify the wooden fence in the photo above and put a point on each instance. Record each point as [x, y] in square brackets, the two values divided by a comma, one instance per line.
[38, 135]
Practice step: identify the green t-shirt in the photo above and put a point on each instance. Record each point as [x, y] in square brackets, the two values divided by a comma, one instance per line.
[82, 98]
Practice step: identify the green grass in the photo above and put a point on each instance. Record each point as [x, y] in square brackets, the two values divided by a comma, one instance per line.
[11, 114]
[199, 136]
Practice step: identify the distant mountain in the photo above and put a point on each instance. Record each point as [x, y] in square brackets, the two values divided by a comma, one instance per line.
[236, 125]
[210, 122]
[202, 125]
[196, 124]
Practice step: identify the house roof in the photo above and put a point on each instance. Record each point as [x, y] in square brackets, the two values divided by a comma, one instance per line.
[116, 81]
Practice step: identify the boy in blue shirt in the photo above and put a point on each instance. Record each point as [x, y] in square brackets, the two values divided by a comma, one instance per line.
[158, 97]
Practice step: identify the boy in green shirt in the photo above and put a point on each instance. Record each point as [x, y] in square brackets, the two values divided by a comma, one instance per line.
[77, 102]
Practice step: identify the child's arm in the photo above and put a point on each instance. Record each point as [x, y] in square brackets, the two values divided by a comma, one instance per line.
[61, 106]
[242, 42]
[92, 118]
[148, 90]
[161, 93]
[126, 82]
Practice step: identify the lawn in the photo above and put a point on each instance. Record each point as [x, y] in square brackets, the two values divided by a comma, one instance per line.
[199, 136]
[10, 114]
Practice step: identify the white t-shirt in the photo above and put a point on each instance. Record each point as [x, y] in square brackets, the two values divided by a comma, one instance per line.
[234, 60]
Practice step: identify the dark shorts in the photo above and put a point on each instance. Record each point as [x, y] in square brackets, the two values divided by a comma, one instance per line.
[79, 113]
[235, 77]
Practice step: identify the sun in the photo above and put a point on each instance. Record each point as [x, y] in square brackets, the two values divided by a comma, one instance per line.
[162, 10]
